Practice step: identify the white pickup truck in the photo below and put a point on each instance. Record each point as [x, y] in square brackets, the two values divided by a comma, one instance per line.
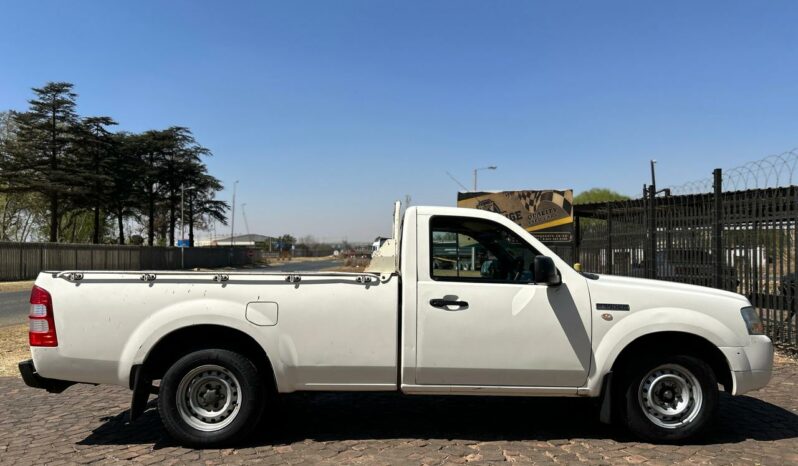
[428, 318]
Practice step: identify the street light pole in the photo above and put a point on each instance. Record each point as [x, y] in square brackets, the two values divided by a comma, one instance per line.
[492, 167]
[233, 215]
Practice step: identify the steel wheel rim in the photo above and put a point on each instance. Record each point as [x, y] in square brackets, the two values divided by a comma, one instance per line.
[209, 398]
[670, 396]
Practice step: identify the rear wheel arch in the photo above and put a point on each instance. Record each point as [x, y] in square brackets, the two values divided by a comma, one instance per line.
[182, 341]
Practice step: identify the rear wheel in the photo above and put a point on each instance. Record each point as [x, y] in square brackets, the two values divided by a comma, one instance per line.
[211, 398]
[670, 398]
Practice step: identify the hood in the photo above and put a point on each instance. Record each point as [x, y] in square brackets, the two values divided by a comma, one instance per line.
[663, 288]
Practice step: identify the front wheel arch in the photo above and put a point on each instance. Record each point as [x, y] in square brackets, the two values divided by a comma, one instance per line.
[665, 343]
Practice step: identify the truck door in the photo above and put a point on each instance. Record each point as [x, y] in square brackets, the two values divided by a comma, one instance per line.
[480, 318]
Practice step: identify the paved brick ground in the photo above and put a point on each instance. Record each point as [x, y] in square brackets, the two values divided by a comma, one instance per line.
[89, 424]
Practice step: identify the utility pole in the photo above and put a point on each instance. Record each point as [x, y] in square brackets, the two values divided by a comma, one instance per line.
[653, 175]
[492, 167]
[652, 222]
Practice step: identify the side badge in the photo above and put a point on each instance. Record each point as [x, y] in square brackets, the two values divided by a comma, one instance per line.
[606, 316]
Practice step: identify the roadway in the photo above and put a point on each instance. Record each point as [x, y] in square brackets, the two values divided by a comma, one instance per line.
[14, 307]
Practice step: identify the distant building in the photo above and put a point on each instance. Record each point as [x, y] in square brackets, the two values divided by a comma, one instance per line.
[377, 244]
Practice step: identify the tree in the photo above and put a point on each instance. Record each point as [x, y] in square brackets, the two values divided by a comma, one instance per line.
[286, 241]
[17, 214]
[148, 148]
[203, 208]
[599, 195]
[126, 179]
[35, 161]
[169, 158]
[94, 149]
[7, 126]
[167, 161]
[64, 177]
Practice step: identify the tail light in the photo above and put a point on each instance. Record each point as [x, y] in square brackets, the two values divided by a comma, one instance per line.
[41, 331]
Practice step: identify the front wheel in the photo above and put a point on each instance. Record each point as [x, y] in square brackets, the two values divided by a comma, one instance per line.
[210, 398]
[670, 399]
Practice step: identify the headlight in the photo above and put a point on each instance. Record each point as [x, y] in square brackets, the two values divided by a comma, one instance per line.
[752, 321]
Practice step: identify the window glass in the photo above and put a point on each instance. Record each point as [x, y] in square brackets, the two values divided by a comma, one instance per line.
[478, 250]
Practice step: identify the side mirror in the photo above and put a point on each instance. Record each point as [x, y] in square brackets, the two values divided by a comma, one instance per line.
[545, 272]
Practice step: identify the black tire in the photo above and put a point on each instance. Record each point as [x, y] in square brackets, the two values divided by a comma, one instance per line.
[220, 381]
[647, 385]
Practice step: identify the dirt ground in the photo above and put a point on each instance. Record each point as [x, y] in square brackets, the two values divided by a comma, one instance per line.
[346, 268]
[13, 349]
[309, 259]
[16, 286]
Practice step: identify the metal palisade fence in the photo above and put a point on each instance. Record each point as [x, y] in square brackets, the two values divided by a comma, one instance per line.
[735, 231]
[22, 261]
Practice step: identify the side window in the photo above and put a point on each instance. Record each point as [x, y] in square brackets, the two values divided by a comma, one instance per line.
[469, 249]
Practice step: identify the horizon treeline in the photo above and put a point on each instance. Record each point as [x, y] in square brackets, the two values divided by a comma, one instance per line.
[71, 178]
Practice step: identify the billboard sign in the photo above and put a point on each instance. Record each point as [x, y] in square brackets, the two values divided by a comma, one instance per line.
[547, 214]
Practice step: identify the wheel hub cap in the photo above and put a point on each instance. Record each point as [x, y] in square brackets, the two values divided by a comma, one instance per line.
[670, 396]
[209, 398]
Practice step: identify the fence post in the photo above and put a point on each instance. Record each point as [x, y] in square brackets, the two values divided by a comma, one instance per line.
[609, 238]
[21, 262]
[576, 239]
[652, 231]
[717, 230]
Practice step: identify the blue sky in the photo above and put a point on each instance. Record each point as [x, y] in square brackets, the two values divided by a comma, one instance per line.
[327, 111]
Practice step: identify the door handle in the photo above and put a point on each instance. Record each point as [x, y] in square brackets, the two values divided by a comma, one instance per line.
[442, 303]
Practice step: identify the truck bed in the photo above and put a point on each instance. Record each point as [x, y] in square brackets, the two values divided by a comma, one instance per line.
[108, 321]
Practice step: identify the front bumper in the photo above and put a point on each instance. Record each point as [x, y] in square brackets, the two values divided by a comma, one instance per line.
[752, 365]
[32, 379]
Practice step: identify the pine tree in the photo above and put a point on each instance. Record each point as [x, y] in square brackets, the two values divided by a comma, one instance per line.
[36, 161]
[126, 179]
[180, 161]
[94, 147]
[203, 207]
[149, 148]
